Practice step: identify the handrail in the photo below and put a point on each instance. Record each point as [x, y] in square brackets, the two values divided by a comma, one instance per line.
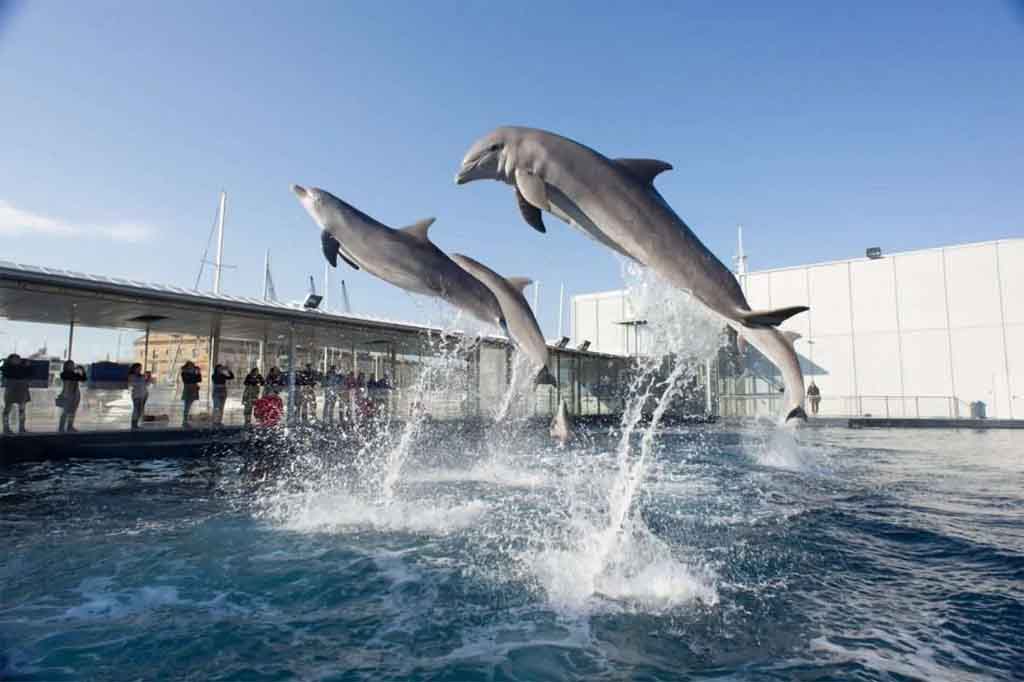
[900, 406]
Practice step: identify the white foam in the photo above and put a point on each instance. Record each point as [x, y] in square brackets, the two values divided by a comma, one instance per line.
[102, 602]
[493, 471]
[329, 509]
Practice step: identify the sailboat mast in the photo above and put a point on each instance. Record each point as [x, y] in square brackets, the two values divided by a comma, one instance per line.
[220, 243]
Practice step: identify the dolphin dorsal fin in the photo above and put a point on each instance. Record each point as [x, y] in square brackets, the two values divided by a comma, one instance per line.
[645, 170]
[419, 229]
[519, 283]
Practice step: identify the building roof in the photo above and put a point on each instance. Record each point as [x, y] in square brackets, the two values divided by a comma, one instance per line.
[31, 293]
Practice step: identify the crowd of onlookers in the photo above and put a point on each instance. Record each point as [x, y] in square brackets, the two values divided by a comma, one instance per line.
[346, 396]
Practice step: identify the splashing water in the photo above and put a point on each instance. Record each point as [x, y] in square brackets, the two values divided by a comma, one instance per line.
[431, 379]
[607, 550]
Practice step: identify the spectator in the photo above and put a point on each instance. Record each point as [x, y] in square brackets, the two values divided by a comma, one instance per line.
[814, 394]
[306, 392]
[70, 395]
[272, 385]
[191, 377]
[221, 375]
[361, 381]
[251, 393]
[332, 385]
[16, 373]
[139, 384]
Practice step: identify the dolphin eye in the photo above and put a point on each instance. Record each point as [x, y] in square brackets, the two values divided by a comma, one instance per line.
[494, 148]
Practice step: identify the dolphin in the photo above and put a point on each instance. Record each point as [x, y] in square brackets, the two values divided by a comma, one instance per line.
[561, 424]
[520, 324]
[406, 257]
[614, 201]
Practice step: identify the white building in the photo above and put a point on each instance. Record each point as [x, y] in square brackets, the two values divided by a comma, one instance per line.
[920, 333]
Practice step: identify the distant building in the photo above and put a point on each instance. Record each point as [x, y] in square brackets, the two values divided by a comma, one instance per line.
[168, 352]
[919, 333]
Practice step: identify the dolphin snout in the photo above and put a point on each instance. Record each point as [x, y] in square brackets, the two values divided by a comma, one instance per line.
[300, 191]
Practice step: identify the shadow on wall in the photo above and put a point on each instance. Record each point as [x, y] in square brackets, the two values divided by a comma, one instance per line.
[753, 363]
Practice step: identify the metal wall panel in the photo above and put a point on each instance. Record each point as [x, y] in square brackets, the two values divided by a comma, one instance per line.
[874, 300]
[830, 299]
[921, 290]
[926, 369]
[979, 369]
[1011, 271]
[973, 288]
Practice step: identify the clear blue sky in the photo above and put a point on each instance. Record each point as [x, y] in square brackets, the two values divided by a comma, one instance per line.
[822, 128]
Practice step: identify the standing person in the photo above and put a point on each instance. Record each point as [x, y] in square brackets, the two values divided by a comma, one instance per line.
[221, 375]
[332, 383]
[251, 392]
[70, 395]
[139, 383]
[191, 377]
[814, 395]
[272, 385]
[16, 373]
[306, 387]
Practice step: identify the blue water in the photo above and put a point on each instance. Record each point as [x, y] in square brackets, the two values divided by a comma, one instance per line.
[864, 555]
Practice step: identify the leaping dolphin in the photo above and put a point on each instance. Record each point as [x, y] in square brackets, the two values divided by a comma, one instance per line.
[520, 323]
[406, 257]
[615, 202]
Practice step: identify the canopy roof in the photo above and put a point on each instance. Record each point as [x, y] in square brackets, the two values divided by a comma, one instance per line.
[48, 295]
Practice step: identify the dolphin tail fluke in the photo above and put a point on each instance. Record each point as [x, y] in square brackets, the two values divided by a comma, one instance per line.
[770, 318]
[545, 378]
[797, 413]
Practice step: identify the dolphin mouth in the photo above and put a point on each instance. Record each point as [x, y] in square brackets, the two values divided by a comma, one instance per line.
[462, 177]
[300, 191]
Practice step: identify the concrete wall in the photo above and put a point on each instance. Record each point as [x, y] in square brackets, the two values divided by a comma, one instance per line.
[922, 332]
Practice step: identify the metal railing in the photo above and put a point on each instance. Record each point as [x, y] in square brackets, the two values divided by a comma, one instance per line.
[887, 406]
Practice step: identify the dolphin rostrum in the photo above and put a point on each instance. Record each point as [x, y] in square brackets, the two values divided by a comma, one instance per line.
[615, 202]
[520, 324]
[561, 424]
[406, 257]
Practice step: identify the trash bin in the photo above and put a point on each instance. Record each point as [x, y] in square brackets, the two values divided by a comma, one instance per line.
[977, 410]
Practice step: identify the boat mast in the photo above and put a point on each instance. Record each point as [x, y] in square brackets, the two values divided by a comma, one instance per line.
[219, 262]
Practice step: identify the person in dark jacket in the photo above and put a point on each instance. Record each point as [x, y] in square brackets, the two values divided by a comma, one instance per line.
[139, 384]
[814, 395]
[191, 377]
[70, 395]
[251, 393]
[221, 375]
[274, 381]
[332, 387]
[16, 373]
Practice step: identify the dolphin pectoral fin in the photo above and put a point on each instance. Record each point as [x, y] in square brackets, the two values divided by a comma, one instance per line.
[330, 246]
[504, 326]
[531, 214]
[519, 283]
[419, 229]
[544, 378]
[791, 336]
[645, 170]
[770, 318]
[532, 188]
[796, 413]
[741, 345]
[347, 260]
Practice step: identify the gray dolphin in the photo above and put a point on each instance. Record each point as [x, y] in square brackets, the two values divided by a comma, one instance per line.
[615, 202]
[561, 424]
[520, 324]
[406, 257]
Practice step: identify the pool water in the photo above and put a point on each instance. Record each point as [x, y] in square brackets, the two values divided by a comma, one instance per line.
[865, 555]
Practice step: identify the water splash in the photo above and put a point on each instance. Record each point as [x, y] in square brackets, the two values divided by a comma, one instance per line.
[605, 551]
